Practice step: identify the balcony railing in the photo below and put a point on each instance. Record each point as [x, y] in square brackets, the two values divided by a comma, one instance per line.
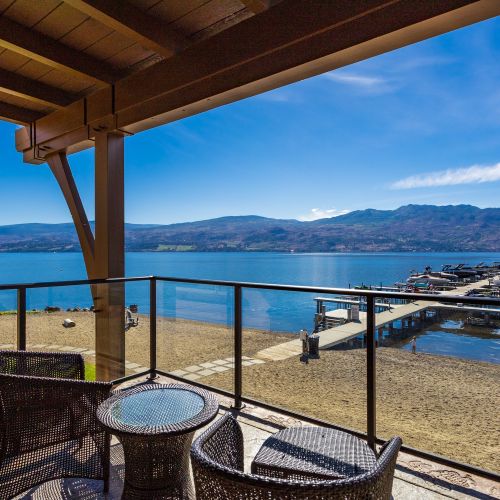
[236, 291]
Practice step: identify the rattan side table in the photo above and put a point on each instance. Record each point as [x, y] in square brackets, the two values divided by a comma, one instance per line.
[313, 453]
[155, 424]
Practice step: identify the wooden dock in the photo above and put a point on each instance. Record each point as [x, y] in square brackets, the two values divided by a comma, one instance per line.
[343, 333]
[332, 336]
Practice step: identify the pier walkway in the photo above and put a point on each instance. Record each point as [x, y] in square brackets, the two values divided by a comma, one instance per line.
[347, 331]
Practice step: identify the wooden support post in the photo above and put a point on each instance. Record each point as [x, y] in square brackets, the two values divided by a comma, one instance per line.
[104, 254]
[110, 255]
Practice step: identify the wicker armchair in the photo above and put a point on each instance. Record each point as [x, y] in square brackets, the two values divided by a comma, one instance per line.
[217, 459]
[48, 425]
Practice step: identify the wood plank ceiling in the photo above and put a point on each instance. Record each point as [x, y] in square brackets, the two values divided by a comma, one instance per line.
[71, 68]
[52, 53]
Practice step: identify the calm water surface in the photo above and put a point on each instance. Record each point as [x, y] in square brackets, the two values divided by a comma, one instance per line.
[277, 311]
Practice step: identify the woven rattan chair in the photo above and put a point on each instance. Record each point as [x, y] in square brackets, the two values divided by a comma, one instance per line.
[48, 425]
[217, 459]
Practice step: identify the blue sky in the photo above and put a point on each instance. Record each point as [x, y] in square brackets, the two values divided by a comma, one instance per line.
[418, 125]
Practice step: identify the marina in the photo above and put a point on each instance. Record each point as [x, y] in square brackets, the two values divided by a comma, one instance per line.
[347, 322]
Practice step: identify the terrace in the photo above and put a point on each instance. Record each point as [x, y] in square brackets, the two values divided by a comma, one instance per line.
[415, 478]
[364, 393]
[84, 73]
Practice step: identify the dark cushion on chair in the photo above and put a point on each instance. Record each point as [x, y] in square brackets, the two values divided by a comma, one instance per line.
[216, 476]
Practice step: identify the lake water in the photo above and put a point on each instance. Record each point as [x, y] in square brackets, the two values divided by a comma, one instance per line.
[276, 311]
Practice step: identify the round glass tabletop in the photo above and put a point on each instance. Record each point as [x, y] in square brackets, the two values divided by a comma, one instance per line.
[157, 407]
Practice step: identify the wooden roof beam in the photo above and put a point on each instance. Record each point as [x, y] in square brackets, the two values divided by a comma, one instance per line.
[134, 23]
[293, 40]
[41, 48]
[290, 42]
[31, 90]
[15, 114]
[258, 6]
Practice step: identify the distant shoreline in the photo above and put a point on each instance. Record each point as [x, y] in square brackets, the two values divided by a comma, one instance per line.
[287, 252]
[410, 228]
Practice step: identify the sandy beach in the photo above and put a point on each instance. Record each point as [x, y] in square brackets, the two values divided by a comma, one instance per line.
[441, 404]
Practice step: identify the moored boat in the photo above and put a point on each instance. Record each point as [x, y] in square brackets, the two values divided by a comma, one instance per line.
[460, 271]
[427, 279]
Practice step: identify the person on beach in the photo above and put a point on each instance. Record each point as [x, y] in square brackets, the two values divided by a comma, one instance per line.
[414, 345]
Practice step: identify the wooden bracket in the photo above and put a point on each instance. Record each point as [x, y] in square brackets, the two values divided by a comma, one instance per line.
[59, 165]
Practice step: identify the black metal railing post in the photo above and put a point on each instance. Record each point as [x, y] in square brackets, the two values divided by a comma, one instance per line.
[21, 319]
[152, 327]
[238, 347]
[371, 376]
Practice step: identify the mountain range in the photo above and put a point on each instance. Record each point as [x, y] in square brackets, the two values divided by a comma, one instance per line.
[408, 228]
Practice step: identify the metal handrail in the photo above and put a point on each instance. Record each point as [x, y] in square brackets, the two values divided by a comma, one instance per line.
[338, 291]
[238, 287]
[50, 284]
[265, 286]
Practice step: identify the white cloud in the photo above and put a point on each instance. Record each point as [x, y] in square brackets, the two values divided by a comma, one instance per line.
[356, 80]
[476, 174]
[318, 213]
[417, 63]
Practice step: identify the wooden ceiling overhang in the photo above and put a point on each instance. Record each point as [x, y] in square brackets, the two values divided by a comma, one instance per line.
[151, 67]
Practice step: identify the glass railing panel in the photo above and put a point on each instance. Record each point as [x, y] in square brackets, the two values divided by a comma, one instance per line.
[61, 319]
[329, 384]
[136, 327]
[8, 319]
[195, 337]
[66, 319]
[438, 367]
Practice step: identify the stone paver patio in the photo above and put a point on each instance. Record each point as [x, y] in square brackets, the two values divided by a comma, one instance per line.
[415, 478]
